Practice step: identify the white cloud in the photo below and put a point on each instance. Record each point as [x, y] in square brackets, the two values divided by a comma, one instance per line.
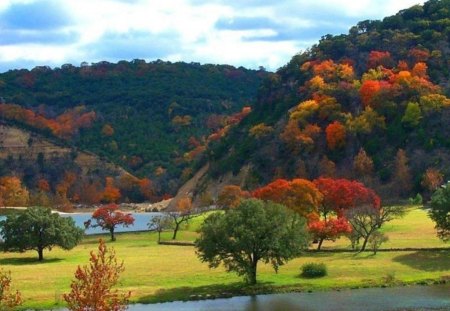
[271, 31]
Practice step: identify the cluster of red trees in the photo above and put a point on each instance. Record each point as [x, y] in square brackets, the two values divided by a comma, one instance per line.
[63, 126]
[325, 202]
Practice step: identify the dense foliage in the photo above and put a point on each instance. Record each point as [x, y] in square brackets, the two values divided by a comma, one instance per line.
[154, 119]
[440, 211]
[38, 229]
[371, 105]
[92, 288]
[254, 231]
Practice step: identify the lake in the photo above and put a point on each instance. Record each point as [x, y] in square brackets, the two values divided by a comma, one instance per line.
[367, 299]
[140, 222]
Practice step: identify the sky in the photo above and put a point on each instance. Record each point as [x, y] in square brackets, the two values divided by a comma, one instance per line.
[248, 33]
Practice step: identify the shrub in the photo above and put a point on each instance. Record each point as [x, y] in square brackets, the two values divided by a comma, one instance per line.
[313, 270]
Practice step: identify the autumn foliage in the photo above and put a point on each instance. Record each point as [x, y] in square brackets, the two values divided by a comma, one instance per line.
[9, 299]
[92, 287]
[300, 195]
[109, 217]
[335, 135]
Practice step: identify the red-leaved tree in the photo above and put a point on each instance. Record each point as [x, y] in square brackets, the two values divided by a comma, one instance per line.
[108, 217]
[92, 287]
[328, 229]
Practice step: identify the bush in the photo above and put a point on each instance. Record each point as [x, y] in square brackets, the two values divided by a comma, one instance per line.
[313, 270]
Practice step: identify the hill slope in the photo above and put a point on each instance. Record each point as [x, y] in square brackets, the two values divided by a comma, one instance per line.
[370, 105]
[154, 118]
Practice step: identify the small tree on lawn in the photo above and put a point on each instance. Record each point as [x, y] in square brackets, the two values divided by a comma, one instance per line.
[252, 232]
[38, 229]
[92, 287]
[328, 229]
[184, 211]
[108, 217]
[440, 211]
[366, 219]
[9, 299]
[160, 223]
[376, 239]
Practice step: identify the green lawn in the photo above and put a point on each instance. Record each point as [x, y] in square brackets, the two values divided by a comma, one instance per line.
[158, 272]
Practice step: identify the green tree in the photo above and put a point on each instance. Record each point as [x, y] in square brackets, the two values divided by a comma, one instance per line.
[440, 211]
[412, 115]
[254, 231]
[39, 229]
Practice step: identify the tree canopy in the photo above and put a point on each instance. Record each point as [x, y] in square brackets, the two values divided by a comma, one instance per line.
[38, 229]
[254, 231]
[440, 211]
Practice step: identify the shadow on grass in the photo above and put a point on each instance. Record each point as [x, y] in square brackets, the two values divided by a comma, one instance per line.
[27, 261]
[209, 292]
[426, 260]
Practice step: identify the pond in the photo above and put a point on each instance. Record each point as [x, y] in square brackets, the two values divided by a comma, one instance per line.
[367, 299]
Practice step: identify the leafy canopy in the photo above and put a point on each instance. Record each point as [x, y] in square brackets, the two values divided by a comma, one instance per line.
[254, 231]
[38, 229]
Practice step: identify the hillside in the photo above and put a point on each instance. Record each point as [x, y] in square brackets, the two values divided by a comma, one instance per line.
[154, 119]
[371, 105]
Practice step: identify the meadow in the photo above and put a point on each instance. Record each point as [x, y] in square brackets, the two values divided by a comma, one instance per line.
[156, 273]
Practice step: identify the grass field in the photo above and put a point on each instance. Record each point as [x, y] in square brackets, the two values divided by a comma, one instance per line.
[160, 272]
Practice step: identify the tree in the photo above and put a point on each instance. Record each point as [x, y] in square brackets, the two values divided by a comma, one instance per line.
[111, 193]
[12, 193]
[38, 229]
[432, 179]
[92, 287]
[363, 164]
[365, 220]
[440, 211]
[108, 217]
[231, 196]
[402, 175]
[300, 195]
[8, 298]
[376, 239]
[412, 115]
[335, 135]
[184, 211]
[159, 223]
[328, 229]
[252, 232]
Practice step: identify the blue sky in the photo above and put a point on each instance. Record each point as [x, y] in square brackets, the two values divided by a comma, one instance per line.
[247, 33]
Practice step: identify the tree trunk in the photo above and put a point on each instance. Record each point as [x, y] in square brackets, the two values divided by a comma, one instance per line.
[252, 273]
[320, 244]
[113, 237]
[175, 231]
[159, 236]
[363, 247]
[40, 253]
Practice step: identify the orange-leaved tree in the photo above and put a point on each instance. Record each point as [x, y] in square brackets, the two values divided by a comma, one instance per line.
[92, 287]
[335, 135]
[108, 217]
[231, 196]
[9, 299]
[300, 195]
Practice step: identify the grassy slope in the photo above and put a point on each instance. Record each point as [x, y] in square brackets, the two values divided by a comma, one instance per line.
[158, 273]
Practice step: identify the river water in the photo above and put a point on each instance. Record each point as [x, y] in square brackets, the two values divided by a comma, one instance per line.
[366, 299]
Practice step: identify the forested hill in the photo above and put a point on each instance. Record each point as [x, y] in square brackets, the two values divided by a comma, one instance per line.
[371, 105]
[154, 119]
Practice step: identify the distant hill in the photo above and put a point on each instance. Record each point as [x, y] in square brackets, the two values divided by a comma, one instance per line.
[371, 105]
[154, 119]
